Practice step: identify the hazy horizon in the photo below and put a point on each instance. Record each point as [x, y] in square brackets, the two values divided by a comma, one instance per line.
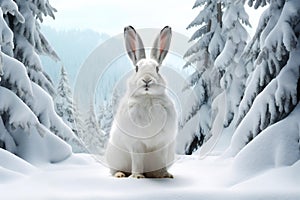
[110, 17]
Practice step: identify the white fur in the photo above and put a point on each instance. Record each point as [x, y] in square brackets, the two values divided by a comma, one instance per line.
[145, 126]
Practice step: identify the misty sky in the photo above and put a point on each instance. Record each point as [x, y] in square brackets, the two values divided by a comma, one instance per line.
[111, 16]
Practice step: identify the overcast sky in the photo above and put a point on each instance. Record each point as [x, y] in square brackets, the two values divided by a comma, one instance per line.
[111, 16]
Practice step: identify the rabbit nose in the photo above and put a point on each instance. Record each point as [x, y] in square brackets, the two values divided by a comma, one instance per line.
[147, 81]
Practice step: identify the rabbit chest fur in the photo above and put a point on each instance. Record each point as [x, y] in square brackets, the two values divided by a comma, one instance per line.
[148, 120]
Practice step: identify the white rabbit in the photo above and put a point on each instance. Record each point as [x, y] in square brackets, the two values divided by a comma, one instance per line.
[143, 133]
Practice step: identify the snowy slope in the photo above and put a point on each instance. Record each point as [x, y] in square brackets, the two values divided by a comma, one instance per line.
[81, 177]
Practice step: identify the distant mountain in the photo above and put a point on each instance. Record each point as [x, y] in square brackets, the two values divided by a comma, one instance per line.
[73, 47]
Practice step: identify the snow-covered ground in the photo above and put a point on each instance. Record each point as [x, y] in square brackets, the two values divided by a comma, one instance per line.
[81, 177]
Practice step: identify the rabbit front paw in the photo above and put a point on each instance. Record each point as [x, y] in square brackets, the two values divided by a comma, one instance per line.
[136, 175]
[119, 175]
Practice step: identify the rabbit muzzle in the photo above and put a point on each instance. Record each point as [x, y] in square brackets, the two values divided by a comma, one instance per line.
[147, 83]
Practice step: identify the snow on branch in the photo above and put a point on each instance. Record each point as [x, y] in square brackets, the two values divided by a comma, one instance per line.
[275, 50]
[268, 108]
[48, 116]
[200, 44]
[40, 8]
[6, 138]
[199, 3]
[203, 16]
[45, 47]
[199, 99]
[258, 3]
[216, 44]
[19, 113]
[15, 76]
[30, 29]
[236, 34]
[9, 6]
[253, 47]
[27, 55]
[200, 58]
[201, 31]
[282, 38]
[6, 38]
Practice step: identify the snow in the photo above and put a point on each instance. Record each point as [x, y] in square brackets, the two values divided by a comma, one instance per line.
[283, 31]
[276, 146]
[39, 144]
[36, 149]
[82, 177]
[13, 165]
[16, 75]
[12, 8]
[269, 104]
[218, 112]
[6, 33]
[280, 183]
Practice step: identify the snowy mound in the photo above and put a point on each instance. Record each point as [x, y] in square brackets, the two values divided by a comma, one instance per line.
[276, 146]
[13, 167]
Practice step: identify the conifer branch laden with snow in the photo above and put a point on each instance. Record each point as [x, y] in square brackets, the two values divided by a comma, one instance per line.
[29, 42]
[205, 80]
[272, 89]
[28, 123]
[228, 62]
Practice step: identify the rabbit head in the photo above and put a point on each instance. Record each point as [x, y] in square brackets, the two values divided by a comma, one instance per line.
[147, 79]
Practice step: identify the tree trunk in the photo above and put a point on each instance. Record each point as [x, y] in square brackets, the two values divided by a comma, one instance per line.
[219, 14]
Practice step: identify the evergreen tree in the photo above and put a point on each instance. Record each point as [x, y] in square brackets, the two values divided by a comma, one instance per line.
[229, 59]
[107, 111]
[27, 116]
[63, 101]
[273, 64]
[29, 42]
[93, 137]
[205, 81]
[105, 116]
[80, 126]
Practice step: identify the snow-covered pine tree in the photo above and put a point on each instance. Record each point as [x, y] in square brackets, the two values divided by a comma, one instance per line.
[65, 108]
[29, 42]
[107, 111]
[80, 125]
[25, 111]
[273, 87]
[93, 137]
[28, 119]
[63, 101]
[205, 80]
[233, 79]
[105, 116]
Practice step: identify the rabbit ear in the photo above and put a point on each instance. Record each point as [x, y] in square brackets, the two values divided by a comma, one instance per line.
[161, 44]
[134, 44]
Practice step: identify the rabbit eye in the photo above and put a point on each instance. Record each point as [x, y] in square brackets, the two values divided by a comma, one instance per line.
[157, 69]
[136, 68]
